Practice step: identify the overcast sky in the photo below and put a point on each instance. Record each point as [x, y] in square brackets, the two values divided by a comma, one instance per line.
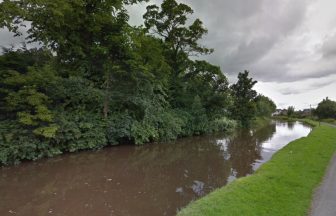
[288, 46]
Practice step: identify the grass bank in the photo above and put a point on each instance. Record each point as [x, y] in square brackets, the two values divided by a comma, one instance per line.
[282, 186]
[312, 121]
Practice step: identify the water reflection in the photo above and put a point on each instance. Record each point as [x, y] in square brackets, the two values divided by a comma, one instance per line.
[155, 179]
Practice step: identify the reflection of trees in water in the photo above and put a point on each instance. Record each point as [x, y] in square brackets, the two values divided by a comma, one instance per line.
[181, 171]
[245, 148]
[290, 124]
[195, 166]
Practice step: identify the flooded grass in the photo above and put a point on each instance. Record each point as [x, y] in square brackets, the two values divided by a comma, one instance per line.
[283, 186]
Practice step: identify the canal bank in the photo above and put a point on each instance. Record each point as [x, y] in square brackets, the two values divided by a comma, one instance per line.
[283, 186]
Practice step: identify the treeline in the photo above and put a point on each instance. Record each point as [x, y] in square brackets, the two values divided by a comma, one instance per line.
[325, 111]
[97, 81]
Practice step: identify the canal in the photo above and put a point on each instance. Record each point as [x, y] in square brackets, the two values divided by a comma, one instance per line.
[150, 180]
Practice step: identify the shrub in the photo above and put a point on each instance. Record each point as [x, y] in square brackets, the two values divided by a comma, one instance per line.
[80, 130]
[17, 144]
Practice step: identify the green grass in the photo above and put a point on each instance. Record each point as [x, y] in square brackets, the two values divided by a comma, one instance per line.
[309, 121]
[282, 186]
[330, 121]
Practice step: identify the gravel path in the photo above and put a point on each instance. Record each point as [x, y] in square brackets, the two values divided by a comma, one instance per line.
[324, 202]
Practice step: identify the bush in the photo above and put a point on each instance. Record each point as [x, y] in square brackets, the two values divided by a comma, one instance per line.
[170, 126]
[119, 128]
[17, 144]
[222, 124]
[80, 130]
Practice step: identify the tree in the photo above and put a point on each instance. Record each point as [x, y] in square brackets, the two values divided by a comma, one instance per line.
[265, 106]
[326, 109]
[87, 35]
[25, 77]
[244, 107]
[181, 40]
[290, 111]
[180, 36]
[211, 86]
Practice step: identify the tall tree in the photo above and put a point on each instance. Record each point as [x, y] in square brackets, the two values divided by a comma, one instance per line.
[326, 109]
[170, 23]
[265, 106]
[210, 84]
[24, 80]
[244, 107]
[181, 40]
[290, 111]
[89, 35]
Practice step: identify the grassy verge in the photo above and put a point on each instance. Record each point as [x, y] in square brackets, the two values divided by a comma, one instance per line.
[283, 186]
[312, 121]
[309, 121]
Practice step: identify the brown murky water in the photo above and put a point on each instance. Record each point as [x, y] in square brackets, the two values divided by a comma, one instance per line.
[152, 180]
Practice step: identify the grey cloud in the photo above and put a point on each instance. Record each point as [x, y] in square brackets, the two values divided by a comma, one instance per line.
[313, 74]
[312, 85]
[242, 32]
[329, 47]
[291, 91]
[323, 84]
[260, 36]
[7, 38]
[272, 39]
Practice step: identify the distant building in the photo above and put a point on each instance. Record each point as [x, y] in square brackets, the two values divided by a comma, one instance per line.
[280, 112]
[307, 112]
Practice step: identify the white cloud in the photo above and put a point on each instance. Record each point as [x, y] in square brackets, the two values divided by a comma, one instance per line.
[300, 94]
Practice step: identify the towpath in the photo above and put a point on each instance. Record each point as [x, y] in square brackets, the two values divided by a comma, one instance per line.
[324, 202]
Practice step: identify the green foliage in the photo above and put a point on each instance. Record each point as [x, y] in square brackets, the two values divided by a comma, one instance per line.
[17, 144]
[170, 125]
[265, 106]
[170, 23]
[223, 124]
[290, 111]
[143, 132]
[200, 119]
[119, 127]
[244, 107]
[326, 109]
[24, 95]
[21, 59]
[76, 92]
[80, 130]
